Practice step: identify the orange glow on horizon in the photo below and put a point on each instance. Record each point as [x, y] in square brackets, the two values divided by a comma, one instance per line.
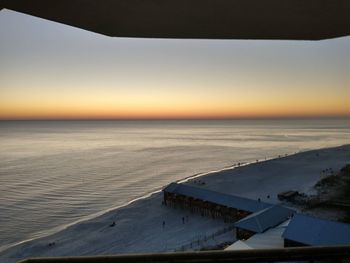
[174, 110]
[252, 103]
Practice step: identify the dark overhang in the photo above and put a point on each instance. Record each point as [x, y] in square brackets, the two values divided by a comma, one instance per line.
[309, 254]
[201, 19]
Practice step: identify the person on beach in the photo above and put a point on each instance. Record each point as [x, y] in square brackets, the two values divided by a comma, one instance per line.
[183, 220]
[163, 224]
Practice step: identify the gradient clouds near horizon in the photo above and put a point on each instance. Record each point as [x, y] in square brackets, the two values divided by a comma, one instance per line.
[49, 70]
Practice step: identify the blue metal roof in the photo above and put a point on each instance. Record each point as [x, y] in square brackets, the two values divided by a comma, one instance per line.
[231, 201]
[317, 232]
[262, 220]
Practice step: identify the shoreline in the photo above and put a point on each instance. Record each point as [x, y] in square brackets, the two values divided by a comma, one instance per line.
[152, 197]
[144, 196]
[114, 208]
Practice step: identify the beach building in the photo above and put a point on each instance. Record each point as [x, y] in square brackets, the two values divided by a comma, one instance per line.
[305, 230]
[211, 203]
[262, 220]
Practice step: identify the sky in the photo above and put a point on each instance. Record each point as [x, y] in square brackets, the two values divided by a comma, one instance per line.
[53, 71]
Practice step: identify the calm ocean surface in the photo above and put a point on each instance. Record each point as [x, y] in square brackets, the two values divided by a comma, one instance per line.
[53, 173]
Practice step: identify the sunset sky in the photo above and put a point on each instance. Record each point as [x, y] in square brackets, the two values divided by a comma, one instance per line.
[53, 71]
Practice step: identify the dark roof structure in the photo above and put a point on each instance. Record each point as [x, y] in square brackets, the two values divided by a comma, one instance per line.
[317, 232]
[260, 221]
[202, 19]
[223, 199]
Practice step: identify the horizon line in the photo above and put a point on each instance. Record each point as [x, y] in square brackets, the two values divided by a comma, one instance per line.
[182, 119]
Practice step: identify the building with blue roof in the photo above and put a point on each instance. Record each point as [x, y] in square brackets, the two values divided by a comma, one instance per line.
[211, 203]
[306, 230]
[262, 220]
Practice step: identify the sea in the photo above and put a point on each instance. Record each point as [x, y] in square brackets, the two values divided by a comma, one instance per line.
[57, 173]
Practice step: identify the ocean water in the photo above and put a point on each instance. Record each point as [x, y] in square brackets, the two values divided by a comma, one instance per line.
[53, 173]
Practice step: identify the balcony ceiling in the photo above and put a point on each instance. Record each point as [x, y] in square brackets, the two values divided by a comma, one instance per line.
[197, 19]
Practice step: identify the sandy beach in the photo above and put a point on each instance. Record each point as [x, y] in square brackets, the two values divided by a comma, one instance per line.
[138, 227]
